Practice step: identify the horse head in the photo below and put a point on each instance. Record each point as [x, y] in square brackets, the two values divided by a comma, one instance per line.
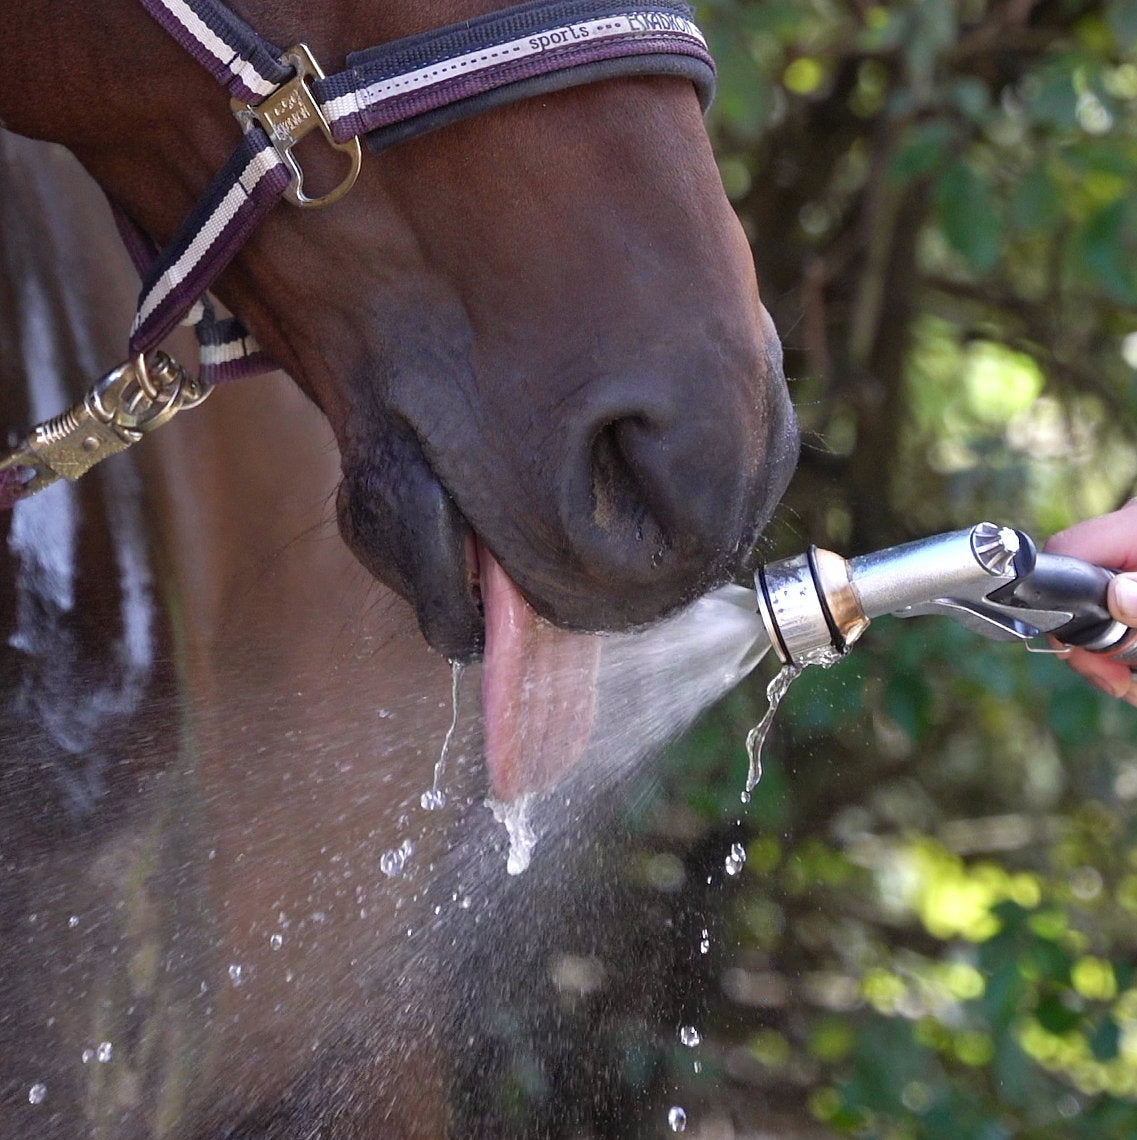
[536, 332]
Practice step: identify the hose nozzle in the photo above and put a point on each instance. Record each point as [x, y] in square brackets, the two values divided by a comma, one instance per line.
[809, 605]
[989, 578]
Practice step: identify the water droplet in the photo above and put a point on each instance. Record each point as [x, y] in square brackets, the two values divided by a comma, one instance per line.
[689, 1036]
[37, 1093]
[433, 799]
[736, 859]
[236, 974]
[276, 941]
[392, 863]
[105, 1052]
[677, 1119]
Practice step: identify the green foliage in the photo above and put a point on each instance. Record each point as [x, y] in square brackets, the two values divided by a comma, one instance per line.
[935, 930]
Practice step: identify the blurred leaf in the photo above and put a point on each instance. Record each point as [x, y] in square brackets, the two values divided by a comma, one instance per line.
[1002, 998]
[971, 97]
[908, 701]
[1053, 98]
[1036, 202]
[969, 216]
[1055, 1016]
[1106, 248]
[1105, 1042]
[1122, 17]
[926, 147]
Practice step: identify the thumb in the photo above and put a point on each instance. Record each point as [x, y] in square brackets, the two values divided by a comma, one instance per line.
[1123, 598]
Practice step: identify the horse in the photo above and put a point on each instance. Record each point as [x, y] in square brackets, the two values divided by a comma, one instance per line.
[535, 335]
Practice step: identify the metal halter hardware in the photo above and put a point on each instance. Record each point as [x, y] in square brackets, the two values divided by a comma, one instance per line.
[387, 94]
[288, 115]
[129, 402]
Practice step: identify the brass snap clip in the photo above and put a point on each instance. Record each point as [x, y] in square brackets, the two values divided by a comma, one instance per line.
[288, 114]
[130, 401]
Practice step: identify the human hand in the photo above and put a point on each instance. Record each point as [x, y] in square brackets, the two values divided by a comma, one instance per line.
[1110, 540]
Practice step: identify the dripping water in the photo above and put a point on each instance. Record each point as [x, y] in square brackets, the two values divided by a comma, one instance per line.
[775, 692]
[434, 797]
[514, 815]
[756, 737]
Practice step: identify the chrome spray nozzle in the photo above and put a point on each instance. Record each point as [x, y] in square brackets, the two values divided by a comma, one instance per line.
[989, 578]
[808, 604]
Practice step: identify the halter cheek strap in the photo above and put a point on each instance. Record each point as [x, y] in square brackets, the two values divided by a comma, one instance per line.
[387, 94]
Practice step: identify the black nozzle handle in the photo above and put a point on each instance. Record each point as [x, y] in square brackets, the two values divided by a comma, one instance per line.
[1060, 583]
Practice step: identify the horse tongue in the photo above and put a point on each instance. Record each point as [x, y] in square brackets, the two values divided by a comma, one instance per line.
[538, 690]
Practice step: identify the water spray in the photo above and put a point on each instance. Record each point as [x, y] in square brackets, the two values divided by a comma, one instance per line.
[991, 579]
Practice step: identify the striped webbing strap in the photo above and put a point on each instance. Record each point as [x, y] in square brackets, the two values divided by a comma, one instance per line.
[387, 94]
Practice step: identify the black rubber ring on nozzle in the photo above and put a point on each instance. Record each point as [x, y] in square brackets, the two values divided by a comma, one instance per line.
[835, 634]
[784, 653]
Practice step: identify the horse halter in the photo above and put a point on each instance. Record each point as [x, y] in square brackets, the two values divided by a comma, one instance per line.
[386, 95]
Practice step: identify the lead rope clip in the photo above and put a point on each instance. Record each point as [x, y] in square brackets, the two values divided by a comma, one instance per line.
[127, 403]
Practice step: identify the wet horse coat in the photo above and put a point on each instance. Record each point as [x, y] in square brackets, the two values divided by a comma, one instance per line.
[219, 724]
[153, 846]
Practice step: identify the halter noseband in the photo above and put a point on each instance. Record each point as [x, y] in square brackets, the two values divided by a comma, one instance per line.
[387, 94]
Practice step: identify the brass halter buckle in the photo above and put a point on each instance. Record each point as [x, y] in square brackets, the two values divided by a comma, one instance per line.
[288, 114]
[118, 411]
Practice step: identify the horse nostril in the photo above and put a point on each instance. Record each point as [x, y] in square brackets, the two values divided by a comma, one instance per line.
[674, 500]
[629, 498]
[658, 500]
[617, 494]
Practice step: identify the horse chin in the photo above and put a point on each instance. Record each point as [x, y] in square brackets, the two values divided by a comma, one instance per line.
[403, 526]
[538, 681]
